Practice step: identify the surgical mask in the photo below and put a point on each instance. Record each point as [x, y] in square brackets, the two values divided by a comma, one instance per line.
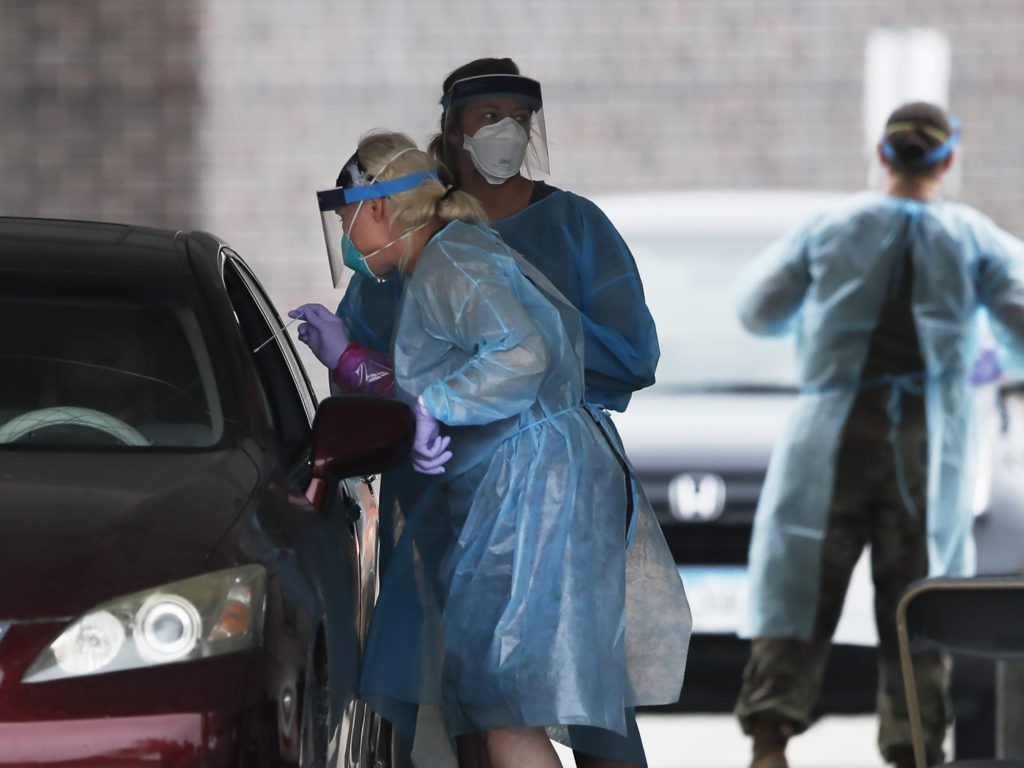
[355, 260]
[498, 150]
[352, 257]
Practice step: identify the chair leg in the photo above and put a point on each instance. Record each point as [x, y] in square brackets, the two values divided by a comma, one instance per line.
[910, 683]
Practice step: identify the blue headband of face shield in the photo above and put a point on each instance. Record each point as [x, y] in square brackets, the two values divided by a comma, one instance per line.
[516, 86]
[332, 199]
[355, 184]
[932, 157]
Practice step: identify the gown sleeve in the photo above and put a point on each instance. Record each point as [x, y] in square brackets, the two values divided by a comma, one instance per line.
[1001, 289]
[495, 357]
[368, 310]
[362, 371]
[770, 291]
[621, 342]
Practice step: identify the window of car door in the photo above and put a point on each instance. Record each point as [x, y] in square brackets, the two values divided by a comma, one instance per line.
[290, 398]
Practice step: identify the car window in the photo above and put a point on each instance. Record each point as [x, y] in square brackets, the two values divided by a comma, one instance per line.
[290, 399]
[688, 282]
[104, 363]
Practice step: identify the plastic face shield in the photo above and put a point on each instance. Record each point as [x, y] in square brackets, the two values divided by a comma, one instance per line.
[331, 202]
[524, 89]
[356, 185]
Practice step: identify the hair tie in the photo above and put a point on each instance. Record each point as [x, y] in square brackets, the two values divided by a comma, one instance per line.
[448, 189]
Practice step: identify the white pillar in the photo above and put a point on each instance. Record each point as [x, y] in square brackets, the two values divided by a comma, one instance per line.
[902, 65]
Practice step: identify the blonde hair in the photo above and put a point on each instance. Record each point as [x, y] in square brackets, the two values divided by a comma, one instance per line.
[389, 155]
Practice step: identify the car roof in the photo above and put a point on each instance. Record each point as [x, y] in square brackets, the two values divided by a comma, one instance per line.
[91, 247]
[713, 211]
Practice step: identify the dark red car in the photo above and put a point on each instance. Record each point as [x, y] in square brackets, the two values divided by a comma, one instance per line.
[187, 541]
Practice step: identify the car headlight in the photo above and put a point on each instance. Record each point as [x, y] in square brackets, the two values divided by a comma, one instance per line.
[208, 615]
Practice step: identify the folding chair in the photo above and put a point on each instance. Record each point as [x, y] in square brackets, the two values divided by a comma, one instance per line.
[981, 616]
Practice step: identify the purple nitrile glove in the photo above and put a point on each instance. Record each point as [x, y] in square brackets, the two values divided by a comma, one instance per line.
[323, 332]
[429, 448]
[986, 367]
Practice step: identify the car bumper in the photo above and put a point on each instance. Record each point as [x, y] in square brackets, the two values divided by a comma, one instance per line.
[183, 740]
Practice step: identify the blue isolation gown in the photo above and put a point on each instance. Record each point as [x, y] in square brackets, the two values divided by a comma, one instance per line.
[574, 245]
[826, 283]
[506, 605]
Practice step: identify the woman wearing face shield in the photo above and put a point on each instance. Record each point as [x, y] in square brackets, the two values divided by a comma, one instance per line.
[504, 608]
[492, 130]
[884, 297]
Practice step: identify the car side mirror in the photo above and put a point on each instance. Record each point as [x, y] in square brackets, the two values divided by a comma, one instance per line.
[356, 435]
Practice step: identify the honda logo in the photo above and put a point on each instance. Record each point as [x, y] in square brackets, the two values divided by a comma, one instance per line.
[696, 498]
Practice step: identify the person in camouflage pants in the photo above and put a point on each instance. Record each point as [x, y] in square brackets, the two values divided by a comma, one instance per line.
[884, 296]
[783, 677]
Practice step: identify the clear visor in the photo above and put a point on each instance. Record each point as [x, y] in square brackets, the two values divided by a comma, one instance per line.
[340, 275]
[331, 203]
[536, 160]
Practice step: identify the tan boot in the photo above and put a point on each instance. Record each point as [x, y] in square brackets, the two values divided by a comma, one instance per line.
[769, 745]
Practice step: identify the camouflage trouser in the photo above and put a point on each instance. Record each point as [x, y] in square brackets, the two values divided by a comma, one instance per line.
[783, 677]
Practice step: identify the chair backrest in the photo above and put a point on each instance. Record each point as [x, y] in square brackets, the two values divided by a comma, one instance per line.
[982, 616]
[979, 616]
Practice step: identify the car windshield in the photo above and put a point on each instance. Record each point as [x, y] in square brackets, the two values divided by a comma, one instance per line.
[98, 366]
[688, 281]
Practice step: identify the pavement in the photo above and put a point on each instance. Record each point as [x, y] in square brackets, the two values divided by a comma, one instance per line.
[716, 741]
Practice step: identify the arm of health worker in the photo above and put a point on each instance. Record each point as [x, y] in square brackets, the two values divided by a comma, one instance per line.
[770, 290]
[1001, 289]
[354, 369]
[499, 358]
[621, 343]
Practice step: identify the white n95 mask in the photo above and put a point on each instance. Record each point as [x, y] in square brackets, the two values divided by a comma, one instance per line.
[498, 150]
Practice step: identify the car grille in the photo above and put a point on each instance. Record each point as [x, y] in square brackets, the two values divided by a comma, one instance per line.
[707, 539]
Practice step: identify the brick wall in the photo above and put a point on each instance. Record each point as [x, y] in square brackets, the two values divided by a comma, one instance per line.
[99, 110]
[228, 114]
